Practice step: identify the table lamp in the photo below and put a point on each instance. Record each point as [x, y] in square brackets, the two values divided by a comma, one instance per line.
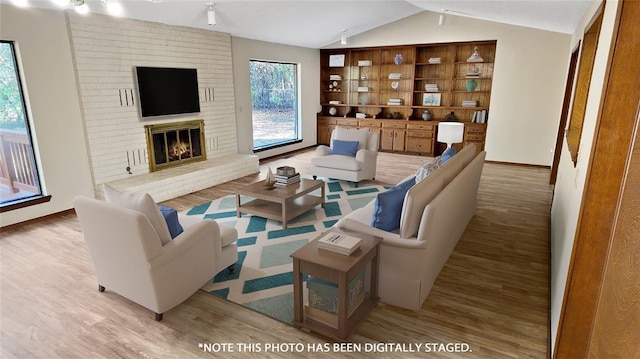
[450, 132]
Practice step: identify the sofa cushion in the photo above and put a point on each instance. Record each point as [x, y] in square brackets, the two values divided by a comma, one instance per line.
[416, 200]
[447, 154]
[388, 206]
[345, 134]
[171, 217]
[338, 162]
[428, 168]
[346, 148]
[142, 203]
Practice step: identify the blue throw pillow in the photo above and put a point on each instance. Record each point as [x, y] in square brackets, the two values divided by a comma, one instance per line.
[347, 148]
[171, 217]
[447, 154]
[388, 206]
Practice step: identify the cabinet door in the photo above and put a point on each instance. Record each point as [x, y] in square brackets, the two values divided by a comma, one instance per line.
[386, 142]
[399, 139]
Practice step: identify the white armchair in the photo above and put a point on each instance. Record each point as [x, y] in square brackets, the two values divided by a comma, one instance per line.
[348, 168]
[130, 259]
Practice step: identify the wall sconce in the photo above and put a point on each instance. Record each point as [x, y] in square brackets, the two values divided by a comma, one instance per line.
[343, 38]
[211, 13]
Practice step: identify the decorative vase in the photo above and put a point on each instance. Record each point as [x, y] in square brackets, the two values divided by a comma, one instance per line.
[471, 85]
[426, 115]
[450, 117]
[333, 111]
[398, 59]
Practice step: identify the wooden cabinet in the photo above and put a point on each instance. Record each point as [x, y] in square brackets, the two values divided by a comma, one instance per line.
[420, 137]
[393, 136]
[325, 126]
[475, 133]
[398, 83]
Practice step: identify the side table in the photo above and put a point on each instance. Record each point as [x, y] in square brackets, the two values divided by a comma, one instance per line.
[340, 269]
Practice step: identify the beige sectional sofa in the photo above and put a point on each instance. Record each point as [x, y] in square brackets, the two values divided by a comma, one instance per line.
[435, 213]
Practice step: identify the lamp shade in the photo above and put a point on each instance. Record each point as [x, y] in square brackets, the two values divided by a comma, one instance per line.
[450, 132]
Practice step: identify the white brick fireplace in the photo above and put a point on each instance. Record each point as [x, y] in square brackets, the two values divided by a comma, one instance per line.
[106, 51]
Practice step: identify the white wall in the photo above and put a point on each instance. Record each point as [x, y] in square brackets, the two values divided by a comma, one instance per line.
[106, 51]
[570, 184]
[308, 61]
[45, 53]
[528, 82]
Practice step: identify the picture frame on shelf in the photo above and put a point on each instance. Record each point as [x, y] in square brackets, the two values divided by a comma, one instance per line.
[336, 60]
[431, 99]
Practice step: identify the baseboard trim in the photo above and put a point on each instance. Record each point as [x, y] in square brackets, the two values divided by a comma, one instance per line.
[15, 226]
[518, 164]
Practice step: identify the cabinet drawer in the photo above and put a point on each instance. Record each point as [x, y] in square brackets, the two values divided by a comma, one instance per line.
[474, 129]
[420, 126]
[419, 145]
[346, 122]
[370, 123]
[326, 121]
[474, 137]
[389, 124]
[421, 134]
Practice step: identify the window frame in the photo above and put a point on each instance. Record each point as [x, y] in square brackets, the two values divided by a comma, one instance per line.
[296, 110]
[41, 196]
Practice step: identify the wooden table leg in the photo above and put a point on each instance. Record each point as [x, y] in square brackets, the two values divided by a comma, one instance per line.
[284, 215]
[297, 294]
[323, 195]
[343, 304]
[238, 213]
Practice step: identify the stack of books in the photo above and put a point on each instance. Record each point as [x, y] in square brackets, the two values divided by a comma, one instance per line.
[479, 116]
[435, 60]
[364, 62]
[473, 74]
[395, 102]
[395, 76]
[431, 88]
[339, 243]
[334, 102]
[285, 180]
[335, 77]
[363, 89]
[469, 103]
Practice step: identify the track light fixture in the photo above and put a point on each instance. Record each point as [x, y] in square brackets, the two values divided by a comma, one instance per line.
[343, 38]
[443, 18]
[211, 13]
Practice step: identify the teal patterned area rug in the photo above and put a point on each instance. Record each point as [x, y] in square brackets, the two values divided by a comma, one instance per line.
[263, 280]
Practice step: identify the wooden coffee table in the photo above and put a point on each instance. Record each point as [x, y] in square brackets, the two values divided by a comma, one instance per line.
[339, 269]
[280, 203]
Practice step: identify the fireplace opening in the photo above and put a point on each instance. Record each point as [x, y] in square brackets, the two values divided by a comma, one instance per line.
[175, 144]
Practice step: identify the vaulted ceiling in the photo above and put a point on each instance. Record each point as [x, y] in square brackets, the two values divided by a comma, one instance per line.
[316, 24]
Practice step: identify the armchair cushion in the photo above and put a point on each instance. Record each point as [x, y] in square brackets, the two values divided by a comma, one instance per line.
[171, 217]
[347, 148]
[345, 134]
[388, 206]
[142, 203]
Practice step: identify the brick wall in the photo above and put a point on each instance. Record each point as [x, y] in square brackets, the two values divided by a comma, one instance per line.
[106, 51]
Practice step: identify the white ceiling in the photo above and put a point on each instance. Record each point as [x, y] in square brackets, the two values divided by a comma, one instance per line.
[316, 24]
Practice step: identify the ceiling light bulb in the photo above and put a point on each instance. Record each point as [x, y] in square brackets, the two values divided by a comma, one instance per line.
[443, 18]
[343, 38]
[82, 9]
[114, 8]
[211, 14]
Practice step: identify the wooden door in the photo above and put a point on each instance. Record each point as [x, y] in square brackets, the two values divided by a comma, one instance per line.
[399, 139]
[600, 317]
[386, 142]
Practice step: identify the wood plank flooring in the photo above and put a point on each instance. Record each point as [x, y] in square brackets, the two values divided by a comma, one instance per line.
[493, 293]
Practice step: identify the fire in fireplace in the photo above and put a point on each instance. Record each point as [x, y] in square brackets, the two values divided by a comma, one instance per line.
[175, 144]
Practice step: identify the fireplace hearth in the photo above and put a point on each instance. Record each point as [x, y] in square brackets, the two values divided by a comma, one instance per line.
[175, 144]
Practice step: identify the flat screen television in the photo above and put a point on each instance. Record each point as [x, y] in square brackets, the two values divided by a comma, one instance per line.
[167, 91]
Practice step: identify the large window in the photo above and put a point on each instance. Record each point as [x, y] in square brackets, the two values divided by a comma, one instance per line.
[19, 180]
[274, 98]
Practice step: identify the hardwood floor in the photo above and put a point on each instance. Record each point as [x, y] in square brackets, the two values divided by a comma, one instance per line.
[493, 293]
